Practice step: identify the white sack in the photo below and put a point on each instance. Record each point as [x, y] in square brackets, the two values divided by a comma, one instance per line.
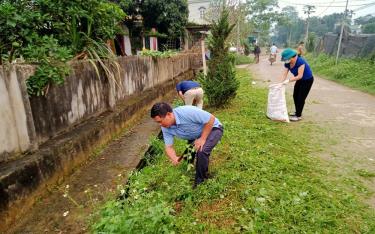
[276, 107]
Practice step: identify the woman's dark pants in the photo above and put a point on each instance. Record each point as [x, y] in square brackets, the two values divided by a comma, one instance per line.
[301, 90]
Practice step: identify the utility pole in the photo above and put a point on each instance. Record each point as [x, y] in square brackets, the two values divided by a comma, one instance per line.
[341, 32]
[308, 9]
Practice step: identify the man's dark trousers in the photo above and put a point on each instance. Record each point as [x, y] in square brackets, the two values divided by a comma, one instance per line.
[201, 167]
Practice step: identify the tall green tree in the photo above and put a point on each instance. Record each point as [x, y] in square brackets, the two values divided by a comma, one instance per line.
[262, 14]
[237, 15]
[289, 28]
[220, 84]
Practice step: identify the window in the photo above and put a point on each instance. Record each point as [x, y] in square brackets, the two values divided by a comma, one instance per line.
[202, 12]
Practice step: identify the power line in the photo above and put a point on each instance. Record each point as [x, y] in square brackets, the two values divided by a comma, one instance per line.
[326, 8]
[364, 7]
[318, 5]
[319, 2]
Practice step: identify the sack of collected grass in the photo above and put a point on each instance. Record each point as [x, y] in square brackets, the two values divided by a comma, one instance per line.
[276, 107]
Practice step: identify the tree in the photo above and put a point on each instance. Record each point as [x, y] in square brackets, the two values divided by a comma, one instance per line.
[220, 84]
[331, 20]
[310, 43]
[289, 28]
[237, 15]
[369, 28]
[365, 19]
[167, 16]
[367, 22]
[261, 15]
[317, 26]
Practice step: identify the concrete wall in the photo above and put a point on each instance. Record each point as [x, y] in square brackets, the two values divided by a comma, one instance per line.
[26, 123]
[353, 45]
[17, 132]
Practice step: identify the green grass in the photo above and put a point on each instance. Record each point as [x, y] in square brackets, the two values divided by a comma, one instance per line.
[242, 59]
[265, 182]
[355, 73]
[366, 174]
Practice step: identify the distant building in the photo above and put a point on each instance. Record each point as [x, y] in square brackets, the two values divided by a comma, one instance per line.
[356, 29]
[198, 10]
[198, 26]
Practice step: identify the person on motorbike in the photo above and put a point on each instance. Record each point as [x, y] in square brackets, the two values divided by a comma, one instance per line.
[273, 53]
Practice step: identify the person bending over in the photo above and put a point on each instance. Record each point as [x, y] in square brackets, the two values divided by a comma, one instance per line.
[192, 124]
[303, 77]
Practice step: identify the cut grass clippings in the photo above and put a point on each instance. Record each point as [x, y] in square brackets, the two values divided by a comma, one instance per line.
[265, 182]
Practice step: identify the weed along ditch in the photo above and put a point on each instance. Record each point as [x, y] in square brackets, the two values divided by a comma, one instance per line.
[148, 157]
[151, 155]
[266, 180]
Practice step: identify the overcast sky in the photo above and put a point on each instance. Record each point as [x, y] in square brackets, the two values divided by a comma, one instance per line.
[327, 7]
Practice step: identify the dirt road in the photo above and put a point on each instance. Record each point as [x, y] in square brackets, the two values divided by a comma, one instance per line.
[346, 116]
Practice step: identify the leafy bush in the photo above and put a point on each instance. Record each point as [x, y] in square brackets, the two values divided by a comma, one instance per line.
[50, 32]
[220, 84]
[144, 209]
[310, 45]
[51, 59]
[160, 54]
[247, 47]
[372, 58]
[241, 59]
[369, 28]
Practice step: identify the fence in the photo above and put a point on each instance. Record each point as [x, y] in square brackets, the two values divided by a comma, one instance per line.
[352, 45]
[26, 123]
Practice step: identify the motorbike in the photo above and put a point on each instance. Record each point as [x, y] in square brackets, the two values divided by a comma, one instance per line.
[272, 58]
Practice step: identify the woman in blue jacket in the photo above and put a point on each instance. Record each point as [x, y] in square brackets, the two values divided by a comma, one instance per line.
[303, 77]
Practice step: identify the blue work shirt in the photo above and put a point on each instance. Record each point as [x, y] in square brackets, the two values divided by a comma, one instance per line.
[307, 73]
[185, 85]
[190, 121]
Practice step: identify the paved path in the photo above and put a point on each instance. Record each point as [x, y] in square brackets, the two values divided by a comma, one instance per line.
[346, 117]
[68, 207]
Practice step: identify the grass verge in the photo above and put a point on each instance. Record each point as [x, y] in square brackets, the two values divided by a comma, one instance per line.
[355, 73]
[265, 182]
[242, 59]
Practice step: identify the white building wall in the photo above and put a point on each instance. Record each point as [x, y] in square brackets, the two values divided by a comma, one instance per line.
[194, 10]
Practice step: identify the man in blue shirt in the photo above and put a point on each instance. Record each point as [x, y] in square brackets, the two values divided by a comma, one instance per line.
[190, 91]
[192, 124]
[303, 76]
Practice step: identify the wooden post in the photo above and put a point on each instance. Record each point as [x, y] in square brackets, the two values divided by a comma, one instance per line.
[203, 57]
[341, 32]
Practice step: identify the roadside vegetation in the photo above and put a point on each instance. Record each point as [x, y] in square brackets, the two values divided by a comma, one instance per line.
[240, 59]
[51, 34]
[356, 72]
[158, 54]
[265, 181]
[220, 84]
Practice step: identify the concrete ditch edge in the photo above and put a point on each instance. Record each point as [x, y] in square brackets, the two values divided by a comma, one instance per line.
[24, 180]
